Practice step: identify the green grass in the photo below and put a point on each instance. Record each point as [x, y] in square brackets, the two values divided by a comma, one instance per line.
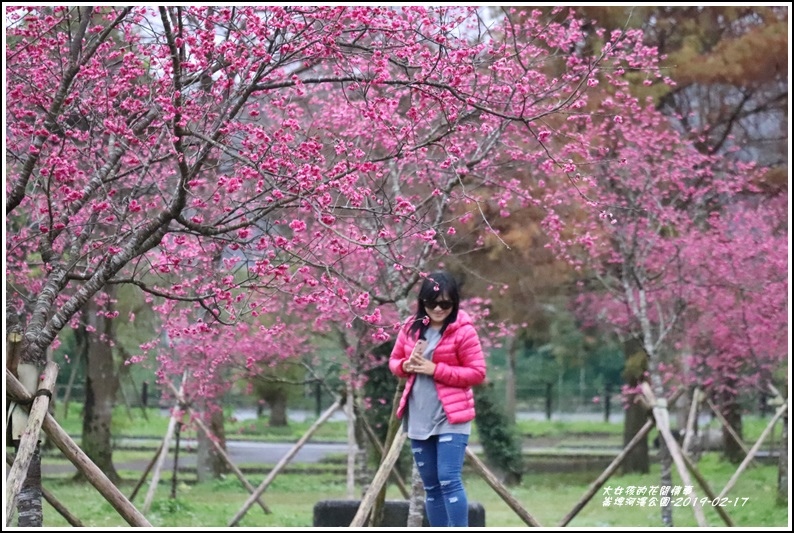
[752, 427]
[547, 497]
[558, 428]
[550, 497]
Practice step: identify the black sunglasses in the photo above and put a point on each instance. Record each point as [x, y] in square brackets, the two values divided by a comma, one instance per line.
[443, 304]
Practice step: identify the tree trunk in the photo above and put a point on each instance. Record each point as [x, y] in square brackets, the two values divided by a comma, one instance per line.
[637, 460]
[666, 480]
[209, 462]
[782, 465]
[510, 381]
[352, 444]
[416, 504]
[278, 410]
[731, 410]
[100, 393]
[29, 503]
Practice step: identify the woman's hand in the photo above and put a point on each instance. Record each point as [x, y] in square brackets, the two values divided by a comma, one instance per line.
[421, 366]
[416, 363]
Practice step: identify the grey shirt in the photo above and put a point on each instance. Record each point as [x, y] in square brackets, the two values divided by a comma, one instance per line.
[425, 415]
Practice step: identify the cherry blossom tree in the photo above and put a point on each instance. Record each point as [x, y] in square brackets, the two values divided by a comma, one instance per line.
[220, 158]
[739, 286]
[676, 253]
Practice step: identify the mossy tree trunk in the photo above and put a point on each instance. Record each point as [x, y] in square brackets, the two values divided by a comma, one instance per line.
[209, 463]
[510, 381]
[278, 410]
[101, 386]
[782, 467]
[637, 460]
[731, 410]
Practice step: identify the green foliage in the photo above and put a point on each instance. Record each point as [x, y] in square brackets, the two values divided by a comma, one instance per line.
[499, 438]
[547, 496]
[284, 380]
[574, 379]
[379, 391]
[636, 365]
[172, 506]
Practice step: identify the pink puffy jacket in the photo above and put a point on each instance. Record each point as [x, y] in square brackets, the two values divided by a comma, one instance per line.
[460, 365]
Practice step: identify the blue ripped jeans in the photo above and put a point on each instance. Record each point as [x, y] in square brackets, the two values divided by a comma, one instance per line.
[439, 460]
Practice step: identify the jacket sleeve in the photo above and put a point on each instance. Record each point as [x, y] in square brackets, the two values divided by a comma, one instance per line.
[471, 370]
[399, 353]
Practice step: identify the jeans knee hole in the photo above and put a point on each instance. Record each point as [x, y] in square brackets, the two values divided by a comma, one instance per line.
[445, 439]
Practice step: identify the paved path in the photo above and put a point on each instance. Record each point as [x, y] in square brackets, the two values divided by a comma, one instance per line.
[240, 452]
[249, 452]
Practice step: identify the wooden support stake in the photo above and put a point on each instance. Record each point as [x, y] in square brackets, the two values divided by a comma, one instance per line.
[613, 466]
[707, 489]
[727, 425]
[203, 427]
[365, 507]
[163, 452]
[283, 462]
[29, 440]
[689, 433]
[500, 489]
[373, 438]
[660, 414]
[751, 453]
[16, 392]
[378, 507]
[606, 474]
[146, 472]
[237, 472]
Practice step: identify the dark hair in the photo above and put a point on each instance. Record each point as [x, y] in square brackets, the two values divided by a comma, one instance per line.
[433, 286]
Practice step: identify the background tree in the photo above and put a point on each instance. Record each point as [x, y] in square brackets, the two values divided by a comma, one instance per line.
[643, 239]
[722, 99]
[738, 337]
[726, 94]
[275, 386]
[635, 371]
[96, 342]
[726, 98]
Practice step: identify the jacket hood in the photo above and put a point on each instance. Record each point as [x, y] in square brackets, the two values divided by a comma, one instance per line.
[463, 319]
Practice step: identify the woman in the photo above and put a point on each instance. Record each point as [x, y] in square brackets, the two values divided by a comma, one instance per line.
[438, 350]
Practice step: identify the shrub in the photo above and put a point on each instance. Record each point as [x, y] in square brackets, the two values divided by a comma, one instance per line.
[499, 438]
